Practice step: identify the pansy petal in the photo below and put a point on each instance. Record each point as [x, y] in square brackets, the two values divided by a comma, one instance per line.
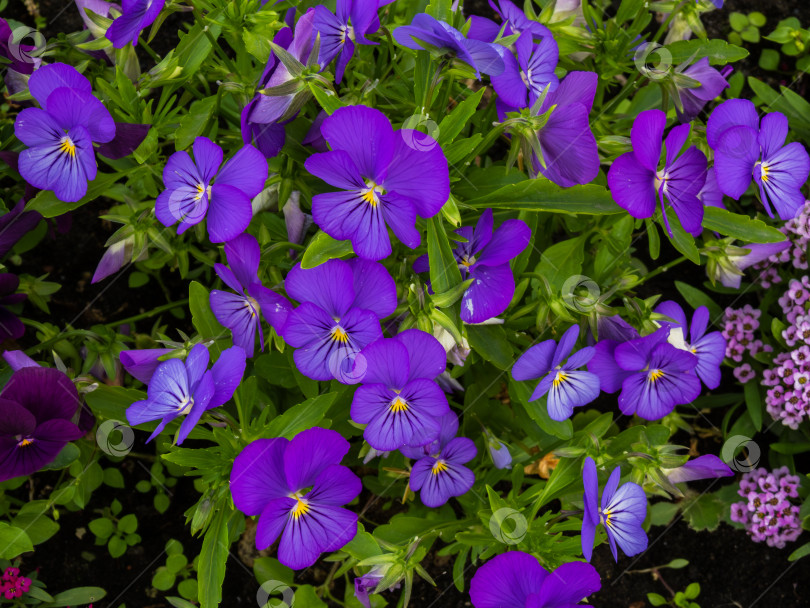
[387, 363]
[535, 362]
[273, 520]
[229, 213]
[235, 312]
[418, 171]
[50, 77]
[207, 158]
[227, 374]
[489, 294]
[336, 485]
[439, 487]
[568, 585]
[329, 285]
[374, 289]
[336, 168]
[243, 256]
[311, 452]
[507, 242]
[569, 147]
[731, 113]
[507, 580]
[632, 186]
[246, 171]
[646, 135]
[426, 355]
[366, 135]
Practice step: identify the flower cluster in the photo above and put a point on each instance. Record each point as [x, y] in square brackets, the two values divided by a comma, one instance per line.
[13, 584]
[739, 325]
[767, 513]
[788, 398]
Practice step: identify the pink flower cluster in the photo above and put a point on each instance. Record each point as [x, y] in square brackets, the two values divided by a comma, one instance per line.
[794, 303]
[788, 399]
[738, 330]
[12, 585]
[767, 512]
[798, 231]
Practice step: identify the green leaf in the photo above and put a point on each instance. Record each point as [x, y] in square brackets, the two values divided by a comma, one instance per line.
[300, 417]
[678, 563]
[78, 596]
[188, 589]
[538, 411]
[769, 59]
[718, 51]
[789, 448]
[326, 99]
[444, 272]
[800, 552]
[113, 478]
[213, 557]
[175, 563]
[65, 458]
[740, 227]
[661, 513]
[561, 261]
[128, 523]
[202, 317]
[567, 473]
[147, 147]
[101, 527]
[38, 526]
[656, 599]
[697, 298]
[195, 46]
[491, 343]
[544, 195]
[323, 248]
[161, 502]
[305, 597]
[753, 401]
[163, 580]
[179, 602]
[117, 546]
[452, 124]
[270, 569]
[703, 512]
[49, 206]
[193, 123]
[13, 541]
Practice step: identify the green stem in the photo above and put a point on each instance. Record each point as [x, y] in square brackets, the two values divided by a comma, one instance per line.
[628, 88]
[151, 313]
[149, 51]
[668, 20]
[663, 268]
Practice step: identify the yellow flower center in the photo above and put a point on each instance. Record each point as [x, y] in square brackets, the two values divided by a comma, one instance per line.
[300, 508]
[398, 405]
[439, 467]
[559, 379]
[25, 442]
[655, 374]
[185, 407]
[68, 147]
[765, 170]
[253, 305]
[371, 195]
[339, 335]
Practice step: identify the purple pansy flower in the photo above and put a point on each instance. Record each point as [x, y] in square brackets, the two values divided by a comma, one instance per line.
[568, 145]
[386, 178]
[17, 359]
[272, 478]
[353, 19]
[425, 32]
[710, 194]
[60, 133]
[240, 312]
[707, 466]
[498, 451]
[11, 328]
[37, 407]
[21, 61]
[653, 375]
[340, 307]
[729, 270]
[142, 363]
[712, 82]
[136, 16]
[635, 180]
[514, 20]
[200, 189]
[439, 471]
[485, 258]
[363, 585]
[568, 386]
[15, 224]
[189, 388]
[517, 580]
[399, 401]
[709, 348]
[622, 511]
[526, 76]
[745, 148]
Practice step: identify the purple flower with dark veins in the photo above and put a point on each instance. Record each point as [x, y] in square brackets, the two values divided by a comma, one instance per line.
[526, 76]
[189, 388]
[350, 23]
[136, 16]
[622, 511]
[485, 257]
[746, 148]
[567, 387]
[439, 471]
[709, 348]
[386, 178]
[240, 312]
[399, 401]
[340, 307]
[199, 189]
[711, 85]
[60, 133]
[517, 580]
[297, 488]
[37, 409]
[635, 179]
[425, 32]
[514, 20]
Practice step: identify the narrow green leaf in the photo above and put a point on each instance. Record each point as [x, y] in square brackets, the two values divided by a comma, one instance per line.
[323, 248]
[740, 227]
[444, 272]
[543, 195]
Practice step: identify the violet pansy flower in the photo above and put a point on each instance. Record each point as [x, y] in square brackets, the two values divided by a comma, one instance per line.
[526, 76]
[514, 20]
[622, 511]
[136, 16]
[729, 269]
[60, 133]
[11, 328]
[200, 189]
[297, 488]
[350, 23]
[636, 181]
[439, 471]
[567, 386]
[188, 388]
[340, 307]
[240, 312]
[517, 580]
[485, 258]
[399, 401]
[709, 348]
[746, 148]
[142, 363]
[653, 375]
[386, 178]
[37, 409]
[707, 466]
[711, 84]
[425, 32]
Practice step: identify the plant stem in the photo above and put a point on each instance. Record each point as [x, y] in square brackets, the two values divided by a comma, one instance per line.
[663, 268]
[151, 313]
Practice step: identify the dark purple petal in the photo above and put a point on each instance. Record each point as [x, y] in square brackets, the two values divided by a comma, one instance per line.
[569, 147]
[274, 308]
[443, 483]
[246, 171]
[400, 215]
[329, 285]
[646, 135]
[707, 466]
[489, 294]
[227, 373]
[257, 477]
[336, 485]
[731, 113]
[387, 363]
[243, 256]
[337, 169]
[604, 365]
[571, 389]
[632, 186]
[17, 359]
[426, 355]
[507, 242]
[374, 289]
[237, 314]
[141, 364]
[418, 171]
[535, 362]
[50, 77]
[127, 138]
[567, 586]
[71, 108]
[273, 520]
[309, 453]
[137, 15]
[366, 135]
[507, 579]
[229, 213]
[46, 393]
